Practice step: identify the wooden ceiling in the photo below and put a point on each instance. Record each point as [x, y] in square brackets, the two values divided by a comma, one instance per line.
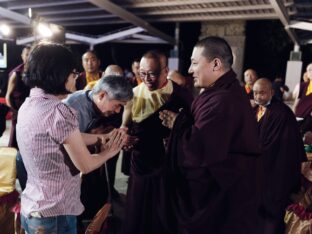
[143, 13]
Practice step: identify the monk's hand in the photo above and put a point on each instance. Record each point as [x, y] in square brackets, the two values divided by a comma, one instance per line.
[129, 140]
[252, 103]
[167, 118]
[309, 156]
[307, 138]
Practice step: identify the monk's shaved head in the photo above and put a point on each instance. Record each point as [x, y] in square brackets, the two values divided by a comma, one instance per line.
[263, 91]
[113, 70]
[264, 82]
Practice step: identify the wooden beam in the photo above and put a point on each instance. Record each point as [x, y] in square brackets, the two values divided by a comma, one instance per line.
[215, 18]
[174, 3]
[207, 10]
[122, 13]
[79, 18]
[284, 18]
[68, 11]
[38, 4]
[14, 16]
[118, 35]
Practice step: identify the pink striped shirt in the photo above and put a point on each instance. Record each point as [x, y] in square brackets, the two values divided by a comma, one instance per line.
[43, 124]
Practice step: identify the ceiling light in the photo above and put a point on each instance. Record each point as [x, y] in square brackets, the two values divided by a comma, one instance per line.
[30, 13]
[44, 30]
[5, 30]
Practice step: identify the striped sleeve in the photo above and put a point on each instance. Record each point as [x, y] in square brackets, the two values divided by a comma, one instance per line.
[64, 122]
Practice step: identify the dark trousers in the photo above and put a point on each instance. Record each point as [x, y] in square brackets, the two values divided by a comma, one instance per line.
[3, 112]
[21, 171]
[270, 225]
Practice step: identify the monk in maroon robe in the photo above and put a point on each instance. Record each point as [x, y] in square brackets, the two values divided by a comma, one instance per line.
[210, 178]
[303, 103]
[155, 94]
[282, 154]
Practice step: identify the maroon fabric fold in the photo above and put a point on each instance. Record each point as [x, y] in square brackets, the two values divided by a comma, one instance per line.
[9, 198]
[300, 211]
[304, 106]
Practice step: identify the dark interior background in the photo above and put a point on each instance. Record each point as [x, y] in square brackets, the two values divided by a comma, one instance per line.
[267, 48]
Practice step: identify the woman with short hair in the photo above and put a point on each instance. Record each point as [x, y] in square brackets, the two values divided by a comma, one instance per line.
[46, 128]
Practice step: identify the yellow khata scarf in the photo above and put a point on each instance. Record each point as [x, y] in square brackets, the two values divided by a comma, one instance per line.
[147, 102]
[90, 77]
[247, 88]
[309, 89]
[261, 112]
[90, 85]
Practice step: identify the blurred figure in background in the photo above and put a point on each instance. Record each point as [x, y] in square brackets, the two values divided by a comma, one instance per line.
[16, 93]
[136, 71]
[303, 103]
[250, 77]
[295, 92]
[281, 91]
[113, 70]
[91, 65]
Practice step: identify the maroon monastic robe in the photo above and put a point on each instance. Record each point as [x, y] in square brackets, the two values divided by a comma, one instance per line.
[282, 154]
[304, 108]
[210, 179]
[81, 81]
[147, 160]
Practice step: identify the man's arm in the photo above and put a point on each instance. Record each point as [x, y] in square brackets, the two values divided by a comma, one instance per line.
[295, 104]
[11, 87]
[127, 114]
[90, 139]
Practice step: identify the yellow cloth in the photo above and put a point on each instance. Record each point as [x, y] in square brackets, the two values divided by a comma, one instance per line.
[247, 88]
[90, 85]
[7, 170]
[260, 113]
[146, 102]
[309, 89]
[138, 80]
[90, 77]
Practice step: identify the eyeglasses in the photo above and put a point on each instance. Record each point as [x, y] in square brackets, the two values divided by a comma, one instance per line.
[151, 75]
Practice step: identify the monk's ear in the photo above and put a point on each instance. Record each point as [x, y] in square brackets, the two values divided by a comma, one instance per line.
[217, 64]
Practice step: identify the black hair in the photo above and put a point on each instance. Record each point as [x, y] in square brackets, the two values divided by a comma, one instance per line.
[92, 52]
[49, 65]
[135, 60]
[216, 47]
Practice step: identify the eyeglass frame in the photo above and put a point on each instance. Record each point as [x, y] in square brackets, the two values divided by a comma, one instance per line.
[151, 74]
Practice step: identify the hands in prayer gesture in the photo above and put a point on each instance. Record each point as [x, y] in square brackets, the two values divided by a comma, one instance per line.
[113, 142]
